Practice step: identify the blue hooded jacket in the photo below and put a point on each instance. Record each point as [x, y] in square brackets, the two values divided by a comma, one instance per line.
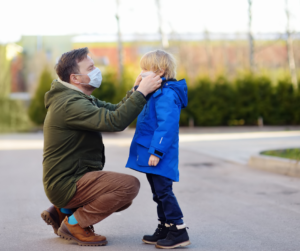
[157, 131]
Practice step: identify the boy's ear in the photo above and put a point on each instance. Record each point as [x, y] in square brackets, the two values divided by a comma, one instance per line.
[161, 72]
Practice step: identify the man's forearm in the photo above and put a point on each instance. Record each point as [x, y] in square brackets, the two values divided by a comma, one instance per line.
[113, 107]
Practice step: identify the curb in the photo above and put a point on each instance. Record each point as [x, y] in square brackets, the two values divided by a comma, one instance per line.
[275, 164]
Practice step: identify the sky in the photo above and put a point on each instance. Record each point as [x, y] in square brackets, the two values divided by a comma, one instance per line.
[62, 17]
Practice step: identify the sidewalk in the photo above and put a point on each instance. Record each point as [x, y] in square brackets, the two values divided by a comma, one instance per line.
[235, 144]
[227, 207]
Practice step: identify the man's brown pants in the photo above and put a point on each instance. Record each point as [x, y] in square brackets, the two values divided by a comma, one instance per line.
[101, 193]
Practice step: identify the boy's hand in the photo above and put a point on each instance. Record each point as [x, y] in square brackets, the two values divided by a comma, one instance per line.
[153, 160]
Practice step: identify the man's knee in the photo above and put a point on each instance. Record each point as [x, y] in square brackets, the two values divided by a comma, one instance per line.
[132, 185]
[124, 207]
[135, 184]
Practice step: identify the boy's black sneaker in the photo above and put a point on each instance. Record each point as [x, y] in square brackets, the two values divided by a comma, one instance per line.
[160, 233]
[175, 238]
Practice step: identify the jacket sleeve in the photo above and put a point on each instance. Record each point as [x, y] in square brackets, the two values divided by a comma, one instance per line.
[167, 114]
[112, 107]
[81, 114]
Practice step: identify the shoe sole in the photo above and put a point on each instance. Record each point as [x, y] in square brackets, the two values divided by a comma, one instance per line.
[182, 244]
[66, 236]
[46, 216]
[149, 242]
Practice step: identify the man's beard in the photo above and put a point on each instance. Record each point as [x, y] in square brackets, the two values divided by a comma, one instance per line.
[88, 88]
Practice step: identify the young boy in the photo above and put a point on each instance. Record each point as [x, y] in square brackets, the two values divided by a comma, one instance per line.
[154, 148]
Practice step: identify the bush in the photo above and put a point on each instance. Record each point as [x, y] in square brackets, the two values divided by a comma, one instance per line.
[37, 111]
[12, 116]
[223, 103]
[111, 90]
[284, 104]
[242, 102]
[211, 103]
[107, 91]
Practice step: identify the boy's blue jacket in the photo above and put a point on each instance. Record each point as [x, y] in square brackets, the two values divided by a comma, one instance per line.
[157, 131]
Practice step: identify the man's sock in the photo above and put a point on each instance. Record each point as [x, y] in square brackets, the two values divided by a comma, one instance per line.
[72, 220]
[66, 211]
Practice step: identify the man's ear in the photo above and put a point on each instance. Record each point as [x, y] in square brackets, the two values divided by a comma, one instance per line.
[74, 79]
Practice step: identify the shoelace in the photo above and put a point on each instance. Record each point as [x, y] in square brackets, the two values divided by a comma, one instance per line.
[158, 230]
[89, 229]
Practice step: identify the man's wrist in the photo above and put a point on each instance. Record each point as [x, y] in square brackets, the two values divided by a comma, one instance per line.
[142, 92]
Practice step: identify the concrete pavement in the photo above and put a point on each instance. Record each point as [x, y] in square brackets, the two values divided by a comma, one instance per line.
[227, 205]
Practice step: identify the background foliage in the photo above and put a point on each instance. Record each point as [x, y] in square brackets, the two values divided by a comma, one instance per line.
[219, 102]
[12, 112]
[242, 102]
[37, 111]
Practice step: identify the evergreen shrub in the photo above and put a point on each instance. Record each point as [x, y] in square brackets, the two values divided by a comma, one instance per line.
[242, 102]
[211, 103]
[107, 91]
[12, 116]
[37, 111]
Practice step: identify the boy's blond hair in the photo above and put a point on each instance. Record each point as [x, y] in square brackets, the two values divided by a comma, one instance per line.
[159, 60]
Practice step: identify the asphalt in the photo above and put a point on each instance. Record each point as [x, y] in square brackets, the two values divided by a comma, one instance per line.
[227, 205]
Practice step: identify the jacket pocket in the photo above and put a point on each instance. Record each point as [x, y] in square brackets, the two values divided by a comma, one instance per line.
[143, 156]
[88, 166]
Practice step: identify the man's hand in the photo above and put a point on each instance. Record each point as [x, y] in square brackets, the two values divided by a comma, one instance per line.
[153, 160]
[149, 84]
[137, 81]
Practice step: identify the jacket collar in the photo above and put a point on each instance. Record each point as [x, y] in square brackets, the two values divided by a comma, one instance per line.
[69, 85]
[159, 90]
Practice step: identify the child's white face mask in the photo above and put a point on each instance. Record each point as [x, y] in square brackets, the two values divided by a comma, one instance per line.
[145, 74]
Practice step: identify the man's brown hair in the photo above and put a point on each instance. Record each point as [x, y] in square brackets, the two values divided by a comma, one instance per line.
[67, 64]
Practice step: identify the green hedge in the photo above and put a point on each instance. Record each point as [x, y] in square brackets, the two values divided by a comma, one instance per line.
[13, 116]
[111, 90]
[107, 90]
[211, 103]
[37, 111]
[242, 102]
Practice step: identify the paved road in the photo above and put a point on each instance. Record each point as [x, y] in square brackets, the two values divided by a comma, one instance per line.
[227, 205]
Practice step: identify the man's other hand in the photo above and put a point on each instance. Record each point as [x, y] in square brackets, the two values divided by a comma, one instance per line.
[149, 84]
[153, 160]
[137, 81]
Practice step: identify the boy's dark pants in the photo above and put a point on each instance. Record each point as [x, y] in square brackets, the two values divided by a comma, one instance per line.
[168, 209]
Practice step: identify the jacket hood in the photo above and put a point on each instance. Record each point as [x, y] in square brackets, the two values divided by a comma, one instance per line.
[50, 95]
[57, 88]
[180, 88]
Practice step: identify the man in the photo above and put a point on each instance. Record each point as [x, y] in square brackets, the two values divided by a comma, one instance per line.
[83, 195]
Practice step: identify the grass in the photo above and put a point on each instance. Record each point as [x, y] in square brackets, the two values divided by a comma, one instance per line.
[284, 153]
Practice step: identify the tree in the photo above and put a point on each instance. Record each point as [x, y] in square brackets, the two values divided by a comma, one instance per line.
[107, 91]
[4, 73]
[37, 111]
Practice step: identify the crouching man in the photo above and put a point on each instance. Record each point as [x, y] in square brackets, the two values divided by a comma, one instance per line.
[81, 193]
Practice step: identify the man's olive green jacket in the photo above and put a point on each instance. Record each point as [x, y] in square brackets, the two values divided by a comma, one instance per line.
[72, 136]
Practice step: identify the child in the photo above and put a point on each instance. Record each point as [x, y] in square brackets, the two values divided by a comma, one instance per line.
[154, 148]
